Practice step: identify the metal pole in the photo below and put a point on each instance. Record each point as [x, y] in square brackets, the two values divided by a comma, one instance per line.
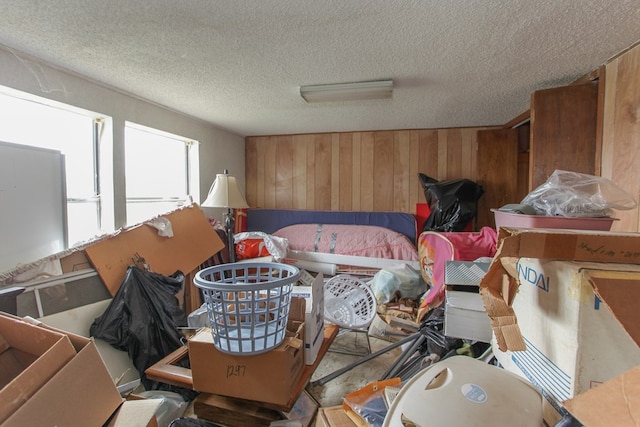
[335, 374]
[397, 365]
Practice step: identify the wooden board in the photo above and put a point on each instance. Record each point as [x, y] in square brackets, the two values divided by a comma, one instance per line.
[193, 242]
[621, 132]
[563, 131]
[233, 412]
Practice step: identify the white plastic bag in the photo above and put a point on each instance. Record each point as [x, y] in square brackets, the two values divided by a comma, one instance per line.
[573, 194]
[401, 278]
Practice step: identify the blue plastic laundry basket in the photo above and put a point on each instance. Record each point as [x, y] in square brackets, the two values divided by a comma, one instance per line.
[247, 304]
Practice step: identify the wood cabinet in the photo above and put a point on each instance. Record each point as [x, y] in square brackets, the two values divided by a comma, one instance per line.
[563, 131]
[497, 172]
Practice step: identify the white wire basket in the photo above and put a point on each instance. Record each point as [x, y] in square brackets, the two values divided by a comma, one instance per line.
[349, 302]
[247, 304]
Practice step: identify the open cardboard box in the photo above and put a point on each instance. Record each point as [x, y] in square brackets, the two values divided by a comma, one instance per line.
[314, 318]
[614, 403]
[53, 377]
[29, 357]
[268, 377]
[563, 308]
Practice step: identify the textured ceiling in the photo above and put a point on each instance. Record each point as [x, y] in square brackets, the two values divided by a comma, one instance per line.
[239, 64]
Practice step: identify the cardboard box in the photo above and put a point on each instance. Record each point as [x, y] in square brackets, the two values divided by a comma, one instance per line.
[614, 403]
[29, 357]
[573, 324]
[464, 313]
[465, 273]
[81, 391]
[499, 286]
[269, 377]
[465, 317]
[314, 317]
[137, 413]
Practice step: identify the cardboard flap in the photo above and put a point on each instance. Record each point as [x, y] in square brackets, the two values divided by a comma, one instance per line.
[620, 396]
[136, 413]
[192, 243]
[620, 295]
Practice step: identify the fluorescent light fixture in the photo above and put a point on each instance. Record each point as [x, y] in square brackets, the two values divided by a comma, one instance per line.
[375, 89]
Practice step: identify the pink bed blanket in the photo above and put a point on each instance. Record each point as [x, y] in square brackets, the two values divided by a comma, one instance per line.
[359, 240]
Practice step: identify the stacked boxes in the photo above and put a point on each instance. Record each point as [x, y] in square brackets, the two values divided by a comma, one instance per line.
[464, 313]
[563, 305]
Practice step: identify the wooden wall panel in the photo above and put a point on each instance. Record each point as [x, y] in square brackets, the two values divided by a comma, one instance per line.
[367, 171]
[299, 146]
[322, 166]
[345, 178]
[356, 183]
[383, 171]
[401, 178]
[310, 182]
[251, 170]
[284, 172]
[363, 171]
[621, 132]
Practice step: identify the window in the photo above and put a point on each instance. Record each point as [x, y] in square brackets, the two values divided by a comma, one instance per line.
[158, 172]
[33, 121]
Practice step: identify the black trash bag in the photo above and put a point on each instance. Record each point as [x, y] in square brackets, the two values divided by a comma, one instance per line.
[143, 320]
[432, 327]
[452, 203]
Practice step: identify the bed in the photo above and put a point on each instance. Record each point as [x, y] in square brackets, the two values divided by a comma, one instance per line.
[372, 239]
[385, 235]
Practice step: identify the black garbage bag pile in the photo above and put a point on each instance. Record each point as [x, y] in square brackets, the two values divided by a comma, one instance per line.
[452, 203]
[143, 320]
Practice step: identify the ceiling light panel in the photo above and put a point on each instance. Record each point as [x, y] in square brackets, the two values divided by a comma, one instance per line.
[376, 89]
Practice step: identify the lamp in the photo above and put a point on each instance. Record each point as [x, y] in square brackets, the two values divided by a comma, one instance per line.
[374, 89]
[225, 193]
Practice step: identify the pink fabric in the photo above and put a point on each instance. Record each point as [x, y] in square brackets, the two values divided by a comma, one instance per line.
[359, 240]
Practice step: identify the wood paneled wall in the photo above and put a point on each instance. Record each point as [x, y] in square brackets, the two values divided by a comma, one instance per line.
[367, 171]
[621, 132]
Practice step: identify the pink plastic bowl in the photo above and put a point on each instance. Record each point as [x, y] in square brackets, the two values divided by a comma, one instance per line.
[515, 220]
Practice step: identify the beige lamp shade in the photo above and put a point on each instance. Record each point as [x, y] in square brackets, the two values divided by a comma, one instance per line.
[225, 193]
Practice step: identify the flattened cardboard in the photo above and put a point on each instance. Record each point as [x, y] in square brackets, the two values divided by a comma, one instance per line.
[136, 413]
[30, 356]
[614, 403]
[75, 261]
[269, 377]
[193, 242]
[499, 286]
[333, 416]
